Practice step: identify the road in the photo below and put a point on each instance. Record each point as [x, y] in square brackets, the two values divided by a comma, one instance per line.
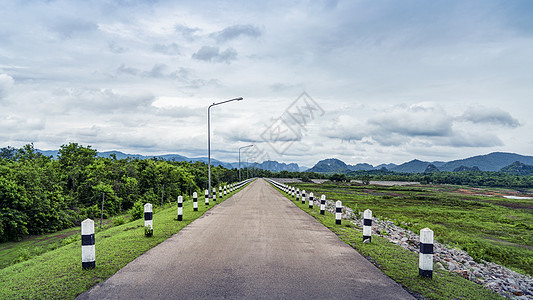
[255, 245]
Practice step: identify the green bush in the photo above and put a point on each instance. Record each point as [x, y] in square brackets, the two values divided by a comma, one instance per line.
[137, 211]
[118, 221]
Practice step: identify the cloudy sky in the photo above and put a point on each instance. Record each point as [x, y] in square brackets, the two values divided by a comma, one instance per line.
[362, 81]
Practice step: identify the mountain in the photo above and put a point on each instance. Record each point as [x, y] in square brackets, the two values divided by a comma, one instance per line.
[518, 168]
[275, 166]
[489, 162]
[386, 166]
[330, 165]
[361, 167]
[431, 168]
[413, 166]
[466, 169]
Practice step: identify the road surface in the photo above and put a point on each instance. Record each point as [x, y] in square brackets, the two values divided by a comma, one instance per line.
[255, 245]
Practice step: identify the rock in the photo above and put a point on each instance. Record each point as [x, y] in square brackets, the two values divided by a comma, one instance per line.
[440, 266]
[451, 266]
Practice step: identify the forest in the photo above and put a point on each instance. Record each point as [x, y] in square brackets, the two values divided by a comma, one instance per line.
[40, 194]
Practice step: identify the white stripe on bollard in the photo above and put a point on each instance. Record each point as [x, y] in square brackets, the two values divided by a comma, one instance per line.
[88, 253]
[225, 190]
[425, 259]
[322, 204]
[148, 222]
[206, 197]
[311, 200]
[367, 225]
[195, 201]
[338, 212]
[180, 208]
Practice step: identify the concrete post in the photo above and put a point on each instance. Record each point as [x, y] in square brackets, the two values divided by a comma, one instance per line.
[303, 196]
[367, 225]
[297, 194]
[180, 208]
[311, 200]
[214, 194]
[220, 192]
[206, 197]
[322, 204]
[338, 212]
[88, 253]
[195, 201]
[425, 259]
[225, 189]
[148, 222]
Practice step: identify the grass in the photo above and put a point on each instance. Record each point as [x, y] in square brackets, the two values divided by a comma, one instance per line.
[401, 265]
[490, 228]
[57, 274]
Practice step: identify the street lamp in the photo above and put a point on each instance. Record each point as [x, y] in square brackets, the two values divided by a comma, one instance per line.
[209, 140]
[240, 159]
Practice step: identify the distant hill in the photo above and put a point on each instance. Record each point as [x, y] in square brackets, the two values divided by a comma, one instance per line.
[489, 162]
[330, 165]
[275, 166]
[413, 166]
[431, 168]
[518, 168]
[361, 167]
[466, 169]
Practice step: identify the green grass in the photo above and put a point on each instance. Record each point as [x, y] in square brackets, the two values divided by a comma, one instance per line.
[58, 274]
[399, 264]
[490, 228]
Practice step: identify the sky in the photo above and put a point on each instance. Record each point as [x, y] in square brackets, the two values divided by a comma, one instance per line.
[362, 81]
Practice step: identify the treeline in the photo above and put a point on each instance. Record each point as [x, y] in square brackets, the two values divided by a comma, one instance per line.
[471, 178]
[39, 194]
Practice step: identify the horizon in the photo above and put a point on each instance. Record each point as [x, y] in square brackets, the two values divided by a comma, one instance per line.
[360, 81]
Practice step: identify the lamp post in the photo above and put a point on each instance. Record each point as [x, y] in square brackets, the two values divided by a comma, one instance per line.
[209, 140]
[240, 159]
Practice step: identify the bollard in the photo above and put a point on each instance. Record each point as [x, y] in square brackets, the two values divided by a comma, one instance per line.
[338, 212]
[88, 254]
[148, 222]
[425, 259]
[195, 201]
[220, 192]
[224, 190]
[206, 197]
[322, 204]
[311, 199]
[297, 194]
[214, 194]
[303, 196]
[293, 191]
[367, 225]
[180, 208]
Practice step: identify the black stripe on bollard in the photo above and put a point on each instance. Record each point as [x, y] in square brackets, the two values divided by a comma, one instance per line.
[87, 239]
[323, 204]
[367, 222]
[88, 264]
[426, 248]
[338, 212]
[425, 260]
[148, 216]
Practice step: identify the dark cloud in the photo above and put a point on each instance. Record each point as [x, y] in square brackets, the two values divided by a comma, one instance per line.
[168, 49]
[189, 33]
[69, 27]
[489, 116]
[236, 31]
[213, 54]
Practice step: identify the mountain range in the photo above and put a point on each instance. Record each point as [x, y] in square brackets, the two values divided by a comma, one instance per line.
[490, 162]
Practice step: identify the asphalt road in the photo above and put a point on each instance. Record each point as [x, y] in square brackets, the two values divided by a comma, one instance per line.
[255, 245]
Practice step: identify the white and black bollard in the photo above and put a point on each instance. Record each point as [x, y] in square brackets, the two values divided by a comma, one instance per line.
[195, 201]
[311, 200]
[338, 212]
[303, 196]
[220, 192]
[293, 191]
[225, 191]
[322, 204]
[180, 208]
[425, 260]
[367, 225]
[297, 195]
[206, 197]
[88, 254]
[214, 194]
[148, 222]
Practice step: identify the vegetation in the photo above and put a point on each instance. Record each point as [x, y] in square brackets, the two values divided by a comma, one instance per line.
[40, 195]
[489, 228]
[58, 274]
[399, 264]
